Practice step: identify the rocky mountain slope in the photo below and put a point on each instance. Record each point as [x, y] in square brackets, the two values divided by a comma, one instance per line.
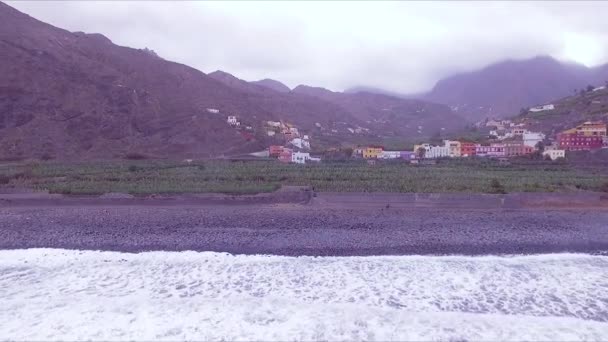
[77, 95]
[502, 89]
[394, 115]
[586, 105]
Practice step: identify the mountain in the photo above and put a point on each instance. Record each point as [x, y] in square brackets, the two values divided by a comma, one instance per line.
[72, 95]
[394, 116]
[502, 89]
[77, 95]
[272, 84]
[374, 90]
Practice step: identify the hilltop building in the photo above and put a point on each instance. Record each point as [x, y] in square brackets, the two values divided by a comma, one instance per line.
[542, 108]
[233, 121]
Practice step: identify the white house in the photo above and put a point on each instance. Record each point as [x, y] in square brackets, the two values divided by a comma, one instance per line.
[232, 120]
[555, 153]
[271, 133]
[390, 155]
[300, 157]
[213, 110]
[454, 147]
[542, 108]
[300, 143]
[433, 151]
[273, 123]
[493, 123]
[532, 138]
[518, 131]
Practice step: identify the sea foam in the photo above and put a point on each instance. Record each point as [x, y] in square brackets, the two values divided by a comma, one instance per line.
[50, 294]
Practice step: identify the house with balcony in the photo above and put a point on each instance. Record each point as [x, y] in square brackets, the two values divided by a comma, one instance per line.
[492, 150]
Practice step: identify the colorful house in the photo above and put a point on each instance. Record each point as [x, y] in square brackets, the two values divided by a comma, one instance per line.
[467, 149]
[570, 141]
[517, 149]
[275, 150]
[285, 156]
[584, 137]
[493, 150]
[372, 152]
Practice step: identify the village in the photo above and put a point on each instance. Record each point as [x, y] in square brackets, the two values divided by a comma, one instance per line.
[505, 139]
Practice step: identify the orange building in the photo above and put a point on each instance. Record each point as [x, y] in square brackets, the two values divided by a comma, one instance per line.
[372, 152]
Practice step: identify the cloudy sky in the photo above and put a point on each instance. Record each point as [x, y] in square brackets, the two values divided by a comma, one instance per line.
[398, 46]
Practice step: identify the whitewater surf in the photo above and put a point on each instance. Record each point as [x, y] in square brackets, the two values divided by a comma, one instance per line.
[54, 294]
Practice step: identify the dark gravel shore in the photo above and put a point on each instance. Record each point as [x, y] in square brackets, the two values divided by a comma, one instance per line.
[289, 229]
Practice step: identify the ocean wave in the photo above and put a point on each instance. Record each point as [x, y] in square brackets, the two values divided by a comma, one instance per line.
[50, 294]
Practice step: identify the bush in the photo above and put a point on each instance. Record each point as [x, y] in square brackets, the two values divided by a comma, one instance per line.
[46, 156]
[4, 179]
[135, 156]
[604, 187]
[496, 187]
[133, 168]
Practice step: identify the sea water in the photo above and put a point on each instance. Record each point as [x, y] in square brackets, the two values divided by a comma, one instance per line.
[51, 294]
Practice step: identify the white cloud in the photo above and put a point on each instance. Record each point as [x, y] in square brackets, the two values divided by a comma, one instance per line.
[400, 46]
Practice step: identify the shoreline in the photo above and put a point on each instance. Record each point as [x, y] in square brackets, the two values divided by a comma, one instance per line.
[313, 229]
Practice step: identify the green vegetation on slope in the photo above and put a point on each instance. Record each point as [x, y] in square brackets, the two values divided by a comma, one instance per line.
[150, 177]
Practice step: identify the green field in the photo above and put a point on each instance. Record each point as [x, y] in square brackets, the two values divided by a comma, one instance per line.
[150, 177]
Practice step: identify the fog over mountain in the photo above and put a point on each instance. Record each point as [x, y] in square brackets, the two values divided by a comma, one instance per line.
[402, 47]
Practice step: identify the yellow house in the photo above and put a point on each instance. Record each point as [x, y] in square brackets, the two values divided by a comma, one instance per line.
[372, 152]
